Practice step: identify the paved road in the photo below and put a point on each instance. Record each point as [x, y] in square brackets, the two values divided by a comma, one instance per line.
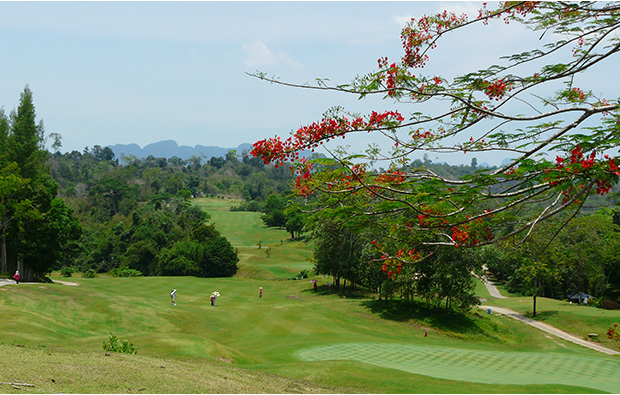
[491, 286]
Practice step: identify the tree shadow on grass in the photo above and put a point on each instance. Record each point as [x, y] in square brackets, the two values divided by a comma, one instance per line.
[324, 290]
[441, 319]
[541, 315]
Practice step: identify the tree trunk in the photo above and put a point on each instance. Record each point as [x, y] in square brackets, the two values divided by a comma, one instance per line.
[534, 297]
[5, 264]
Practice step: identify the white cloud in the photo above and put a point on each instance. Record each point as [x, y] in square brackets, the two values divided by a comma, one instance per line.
[402, 20]
[258, 54]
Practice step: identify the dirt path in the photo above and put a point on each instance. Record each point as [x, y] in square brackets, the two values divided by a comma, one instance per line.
[6, 281]
[550, 329]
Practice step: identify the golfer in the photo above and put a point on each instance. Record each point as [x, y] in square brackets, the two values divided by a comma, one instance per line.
[212, 300]
[260, 292]
[172, 294]
[16, 277]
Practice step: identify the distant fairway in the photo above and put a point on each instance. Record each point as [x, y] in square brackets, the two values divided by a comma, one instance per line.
[245, 230]
[490, 367]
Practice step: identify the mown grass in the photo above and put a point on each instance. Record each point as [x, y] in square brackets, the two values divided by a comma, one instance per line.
[246, 345]
[262, 336]
[245, 230]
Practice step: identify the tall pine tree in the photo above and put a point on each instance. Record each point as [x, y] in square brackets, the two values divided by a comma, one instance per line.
[36, 225]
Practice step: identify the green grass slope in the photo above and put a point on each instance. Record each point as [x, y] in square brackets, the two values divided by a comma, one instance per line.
[291, 340]
[245, 230]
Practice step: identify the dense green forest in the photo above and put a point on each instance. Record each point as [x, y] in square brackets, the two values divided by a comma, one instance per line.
[138, 216]
[91, 212]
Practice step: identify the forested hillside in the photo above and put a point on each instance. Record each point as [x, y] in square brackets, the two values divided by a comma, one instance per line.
[86, 211]
[138, 216]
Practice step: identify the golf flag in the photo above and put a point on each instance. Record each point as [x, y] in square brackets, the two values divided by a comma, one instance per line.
[425, 333]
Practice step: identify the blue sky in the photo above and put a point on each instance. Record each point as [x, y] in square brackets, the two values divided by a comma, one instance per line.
[140, 72]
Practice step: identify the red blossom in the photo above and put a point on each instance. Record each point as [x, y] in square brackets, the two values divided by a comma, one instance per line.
[277, 151]
[498, 89]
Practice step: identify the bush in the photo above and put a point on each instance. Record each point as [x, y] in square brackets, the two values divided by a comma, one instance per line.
[90, 273]
[301, 275]
[608, 304]
[125, 272]
[113, 344]
[66, 271]
[252, 205]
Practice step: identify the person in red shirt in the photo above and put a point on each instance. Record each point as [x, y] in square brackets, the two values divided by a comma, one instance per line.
[16, 277]
[260, 292]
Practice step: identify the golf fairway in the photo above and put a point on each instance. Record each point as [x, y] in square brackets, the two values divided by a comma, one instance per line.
[487, 367]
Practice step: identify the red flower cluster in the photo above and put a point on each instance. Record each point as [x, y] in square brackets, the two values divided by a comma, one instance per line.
[575, 95]
[576, 158]
[392, 72]
[603, 187]
[612, 166]
[303, 169]
[423, 32]
[274, 150]
[392, 177]
[497, 89]
[612, 332]
[419, 135]
[460, 235]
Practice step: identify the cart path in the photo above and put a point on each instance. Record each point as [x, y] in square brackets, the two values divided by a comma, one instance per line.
[537, 324]
[6, 281]
[550, 329]
[491, 286]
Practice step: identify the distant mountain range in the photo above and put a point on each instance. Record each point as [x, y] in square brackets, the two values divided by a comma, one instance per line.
[170, 148]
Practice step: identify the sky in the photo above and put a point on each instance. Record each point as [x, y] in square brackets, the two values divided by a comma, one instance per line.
[105, 73]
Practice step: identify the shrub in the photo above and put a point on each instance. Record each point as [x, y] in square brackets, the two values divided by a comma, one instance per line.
[90, 273]
[608, 304]
[113, 344]
[125, 272]
[301, 275]
[252, 205]
[66, 271]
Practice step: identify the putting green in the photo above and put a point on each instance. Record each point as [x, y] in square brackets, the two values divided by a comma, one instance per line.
[488, 367]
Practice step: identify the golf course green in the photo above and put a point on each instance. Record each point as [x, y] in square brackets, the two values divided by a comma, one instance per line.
[290, 340]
